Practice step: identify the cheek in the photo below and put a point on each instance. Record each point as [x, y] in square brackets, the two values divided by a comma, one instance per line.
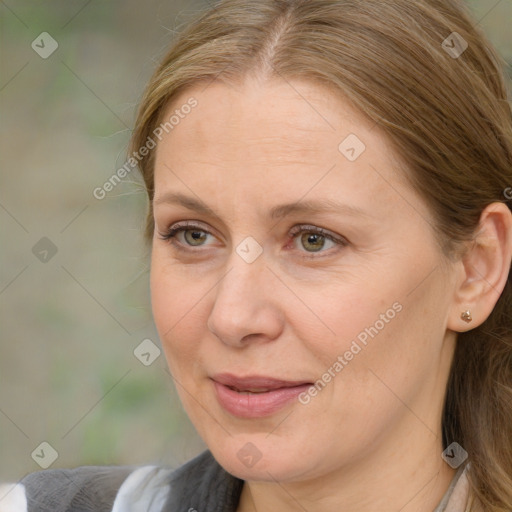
[393, 356]
[351, 316]
[386, 326]
[176, 303]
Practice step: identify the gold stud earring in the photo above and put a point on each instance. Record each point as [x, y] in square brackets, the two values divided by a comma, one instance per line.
[466, 316]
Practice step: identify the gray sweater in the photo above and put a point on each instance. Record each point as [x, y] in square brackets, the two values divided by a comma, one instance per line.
[201, 485]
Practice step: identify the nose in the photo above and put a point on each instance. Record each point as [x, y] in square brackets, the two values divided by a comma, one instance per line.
[246, 308]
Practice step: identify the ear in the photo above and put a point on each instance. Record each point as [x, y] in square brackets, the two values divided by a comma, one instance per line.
[484, 269]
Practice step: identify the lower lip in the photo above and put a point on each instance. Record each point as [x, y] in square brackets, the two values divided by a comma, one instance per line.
[256, 405]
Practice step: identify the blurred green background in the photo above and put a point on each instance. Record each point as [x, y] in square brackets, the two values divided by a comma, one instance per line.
[69, 325]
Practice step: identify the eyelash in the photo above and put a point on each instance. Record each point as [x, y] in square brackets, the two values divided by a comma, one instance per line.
[171, 233]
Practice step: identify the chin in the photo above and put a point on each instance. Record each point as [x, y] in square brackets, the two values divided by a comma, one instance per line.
[258, 459]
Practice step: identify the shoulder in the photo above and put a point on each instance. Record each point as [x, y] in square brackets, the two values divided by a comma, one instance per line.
[458, 497]
[199, 483]
[202, 484]
[62, 490]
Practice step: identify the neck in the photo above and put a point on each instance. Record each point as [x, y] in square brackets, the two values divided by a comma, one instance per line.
[403, 477]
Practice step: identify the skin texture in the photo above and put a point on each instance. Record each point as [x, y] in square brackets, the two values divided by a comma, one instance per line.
[371, 438]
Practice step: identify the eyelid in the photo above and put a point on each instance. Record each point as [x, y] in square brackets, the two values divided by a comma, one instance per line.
[189, 224]
[177, 227]
[322, 231]
[170, 233]
[339, 241]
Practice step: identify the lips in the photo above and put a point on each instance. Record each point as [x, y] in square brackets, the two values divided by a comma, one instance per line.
[255, 396]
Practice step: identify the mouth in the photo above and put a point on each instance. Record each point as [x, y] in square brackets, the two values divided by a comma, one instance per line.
[256, 396]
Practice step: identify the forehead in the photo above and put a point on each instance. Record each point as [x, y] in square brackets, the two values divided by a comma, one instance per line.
[300, 115]
[276, 141]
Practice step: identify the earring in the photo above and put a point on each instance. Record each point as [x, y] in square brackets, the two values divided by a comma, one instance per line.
[466, 316]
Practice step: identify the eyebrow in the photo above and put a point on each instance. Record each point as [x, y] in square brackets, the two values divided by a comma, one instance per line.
[277, 212]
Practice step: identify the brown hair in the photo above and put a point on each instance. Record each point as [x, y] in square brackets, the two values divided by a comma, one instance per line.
[445, 111]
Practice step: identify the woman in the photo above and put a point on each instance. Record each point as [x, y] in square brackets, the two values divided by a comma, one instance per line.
[331, 247]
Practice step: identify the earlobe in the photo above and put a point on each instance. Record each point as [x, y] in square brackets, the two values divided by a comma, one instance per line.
[466, 316]
[485, 268]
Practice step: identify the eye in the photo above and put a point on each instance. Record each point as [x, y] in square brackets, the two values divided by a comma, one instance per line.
[186, 234]
[311, 238]
[315, 239]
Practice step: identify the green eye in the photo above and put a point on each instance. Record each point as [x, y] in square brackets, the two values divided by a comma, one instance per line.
[312, 242]
[310, 239]
[307, 239]
[187, 235]
[194, 237]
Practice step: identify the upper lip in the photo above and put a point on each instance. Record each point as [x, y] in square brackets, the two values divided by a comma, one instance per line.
[255, 382]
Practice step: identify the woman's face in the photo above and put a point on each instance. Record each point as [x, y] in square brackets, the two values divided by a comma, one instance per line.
[303, 305]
